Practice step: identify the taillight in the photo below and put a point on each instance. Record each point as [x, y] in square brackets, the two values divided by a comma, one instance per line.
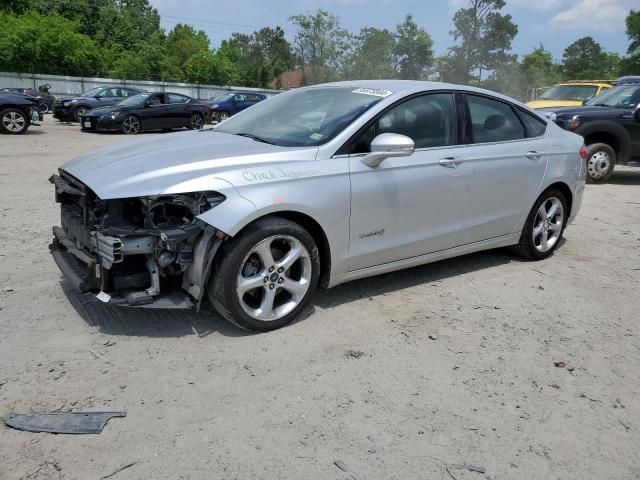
[583, 152]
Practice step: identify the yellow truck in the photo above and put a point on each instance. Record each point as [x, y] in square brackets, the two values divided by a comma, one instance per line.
[571, 93]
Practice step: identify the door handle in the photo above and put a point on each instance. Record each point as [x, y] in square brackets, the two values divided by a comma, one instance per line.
[533, 155]
[449, 162]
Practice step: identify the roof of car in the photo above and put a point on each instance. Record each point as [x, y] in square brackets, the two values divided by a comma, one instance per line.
[407, 87]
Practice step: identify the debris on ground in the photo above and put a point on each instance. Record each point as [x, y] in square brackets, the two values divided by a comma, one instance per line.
[434, 336]
[346, 469]
[62, 422]
[118, 470]
[472, 467]
[354, 354]
[559, 364]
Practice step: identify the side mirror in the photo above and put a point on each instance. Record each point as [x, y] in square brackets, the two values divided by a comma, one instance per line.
[585, 100]
[147, 104]
[388, 145]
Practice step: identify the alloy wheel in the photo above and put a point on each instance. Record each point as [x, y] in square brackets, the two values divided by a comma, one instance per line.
[274, 278]
[196, 122]
[599, 164]
[548, 224]
[224, 116]
[14, 121]
[80, 112]
[131, 125]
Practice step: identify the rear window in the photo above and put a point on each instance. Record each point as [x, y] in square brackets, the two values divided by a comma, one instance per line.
[493, 120]
[534, 126]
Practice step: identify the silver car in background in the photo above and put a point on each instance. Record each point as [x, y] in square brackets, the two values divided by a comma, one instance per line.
[316, 186]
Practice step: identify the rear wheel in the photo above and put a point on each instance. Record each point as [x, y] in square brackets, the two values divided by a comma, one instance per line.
[601, 160]
[131, 125]
[266, 276]
[544, 226]
[13, 121]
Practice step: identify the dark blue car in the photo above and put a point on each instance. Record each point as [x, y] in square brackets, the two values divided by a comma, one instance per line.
[224, 106]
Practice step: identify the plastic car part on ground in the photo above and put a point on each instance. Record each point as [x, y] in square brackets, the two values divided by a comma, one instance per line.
[62, 422]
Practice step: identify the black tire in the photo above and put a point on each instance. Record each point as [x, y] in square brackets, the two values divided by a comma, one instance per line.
[131, 125]
[44, 108]
[526, 247]
[222, 116]
[78, 112]
[599, 155]
[196, 121]
[222, 284]
[13, 121]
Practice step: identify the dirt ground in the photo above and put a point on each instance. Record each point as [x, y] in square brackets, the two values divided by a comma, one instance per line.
[402, 376]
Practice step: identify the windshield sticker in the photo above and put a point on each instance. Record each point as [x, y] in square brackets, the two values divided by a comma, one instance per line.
[373, 91]
[316, 136]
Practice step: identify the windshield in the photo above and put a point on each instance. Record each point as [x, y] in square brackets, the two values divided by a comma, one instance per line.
[92, 92]
[569, 92]
[223, 98]
[624, 96]
[306, 117]
[135, 100]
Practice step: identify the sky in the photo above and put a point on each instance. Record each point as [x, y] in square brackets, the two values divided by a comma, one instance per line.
[552, 23]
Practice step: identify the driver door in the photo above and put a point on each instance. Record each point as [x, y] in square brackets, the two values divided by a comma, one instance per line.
[152, 115]
[415, 205]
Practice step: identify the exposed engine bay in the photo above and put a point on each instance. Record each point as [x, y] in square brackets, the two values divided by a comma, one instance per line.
[135, 251]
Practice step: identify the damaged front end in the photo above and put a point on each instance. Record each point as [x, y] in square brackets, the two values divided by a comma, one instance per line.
[149, 251]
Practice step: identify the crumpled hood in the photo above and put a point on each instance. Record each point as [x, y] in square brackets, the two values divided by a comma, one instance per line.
[153, 165]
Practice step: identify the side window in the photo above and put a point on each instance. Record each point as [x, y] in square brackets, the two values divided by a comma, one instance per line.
[175, 98]
[493, 121]
[429, 120]
[125, 92]
[155, 100]
[534, 126]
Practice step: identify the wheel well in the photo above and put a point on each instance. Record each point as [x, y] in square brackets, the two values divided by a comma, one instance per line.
[609, 138]
[316, 231]
[566, 191]
[22, 108]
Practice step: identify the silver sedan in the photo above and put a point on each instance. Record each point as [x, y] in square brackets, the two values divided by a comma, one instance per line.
[316, 186]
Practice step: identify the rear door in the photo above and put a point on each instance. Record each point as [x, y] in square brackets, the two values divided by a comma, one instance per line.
[508, 165]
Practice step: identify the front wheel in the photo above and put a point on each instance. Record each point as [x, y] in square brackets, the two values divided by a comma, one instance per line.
[601, 160]
[196, 122]
[44, 108]
[13, 121]
[544, 226]
[79, 112]
[222, 116]
[131, 125]
[265, 276]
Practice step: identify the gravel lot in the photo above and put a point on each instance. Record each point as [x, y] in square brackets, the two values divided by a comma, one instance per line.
[400, 376]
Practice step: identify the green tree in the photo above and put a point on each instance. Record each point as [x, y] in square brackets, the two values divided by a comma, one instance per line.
[263, 55]
[631, 63]
[372, 55]
[413, 50]
[484, 36]
[584, 59]
[320, 45]
[47, 44]
[182, 42]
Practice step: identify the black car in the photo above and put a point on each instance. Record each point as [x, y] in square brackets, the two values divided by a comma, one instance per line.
[148, 111]
[45, 100]
[610, 125]
[71, 109]
[17, 112]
